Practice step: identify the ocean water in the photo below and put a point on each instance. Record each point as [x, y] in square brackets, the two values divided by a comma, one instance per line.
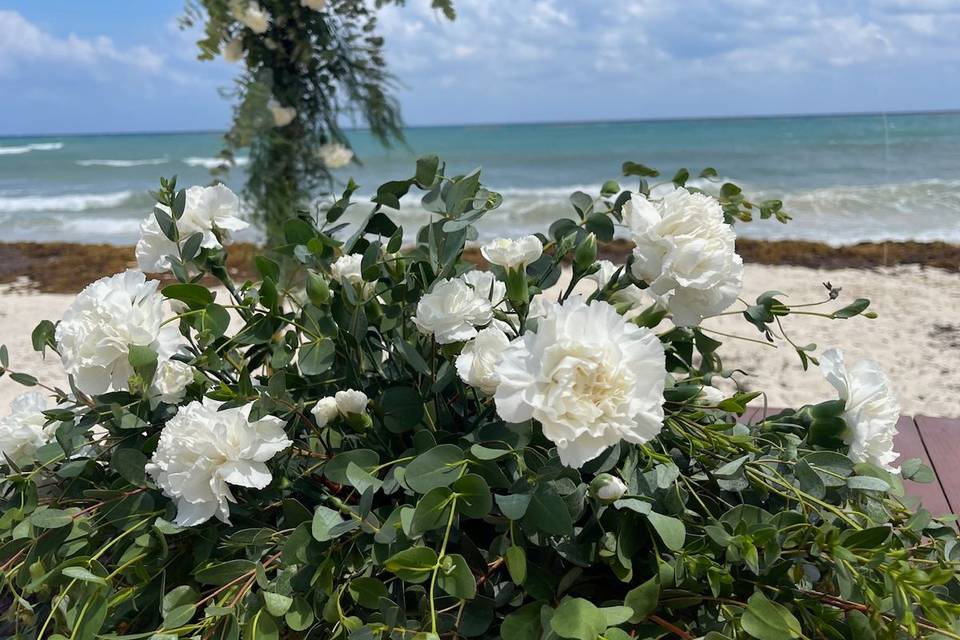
[844, 178]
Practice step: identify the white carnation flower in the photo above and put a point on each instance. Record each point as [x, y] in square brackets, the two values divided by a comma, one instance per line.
[325, 410]
[251, 14]
[202, 451]
[233, 50]
[351, 401]
[539, 306]
[316, 5]
[282, 116]
[685, 252]
[487, 285]
[587, 376]
[477, 362]
[335, 155]
[170, 380]
[346, 269]
[22, 432]
[871, 411]
[688, 306]
[105, 319]
[452, 311]
[513, 254]
[213, 211]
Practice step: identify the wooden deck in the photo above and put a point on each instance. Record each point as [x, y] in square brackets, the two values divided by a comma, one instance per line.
[936, 441]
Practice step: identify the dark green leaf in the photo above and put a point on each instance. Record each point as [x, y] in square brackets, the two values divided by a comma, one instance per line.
[767, 620]
[412, 565]
[438, 467]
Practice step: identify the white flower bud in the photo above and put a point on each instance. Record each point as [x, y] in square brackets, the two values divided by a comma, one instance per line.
[607, 488]
[351, 401]
[325, 410]
[251, 15]
[346, 269]
[513, 254]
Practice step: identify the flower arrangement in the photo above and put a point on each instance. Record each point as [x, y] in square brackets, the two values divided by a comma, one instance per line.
[376, 441]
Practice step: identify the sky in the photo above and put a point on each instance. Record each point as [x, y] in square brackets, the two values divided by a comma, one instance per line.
[108, 66]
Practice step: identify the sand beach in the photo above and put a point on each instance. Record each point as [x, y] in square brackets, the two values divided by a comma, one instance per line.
[916, 336]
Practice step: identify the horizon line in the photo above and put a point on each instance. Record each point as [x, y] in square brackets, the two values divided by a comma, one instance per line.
[520, 123]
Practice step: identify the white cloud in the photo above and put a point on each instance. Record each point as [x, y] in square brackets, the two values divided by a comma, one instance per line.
[23, 42]
[833, 41]
[519, 39]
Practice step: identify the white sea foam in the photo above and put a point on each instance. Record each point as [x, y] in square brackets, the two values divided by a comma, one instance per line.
[920, 210]
[842, 214]
[27, 148]
[212, 163]
[73, 202]
[94, 162]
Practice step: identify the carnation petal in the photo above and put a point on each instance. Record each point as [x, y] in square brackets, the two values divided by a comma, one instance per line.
[246, 474]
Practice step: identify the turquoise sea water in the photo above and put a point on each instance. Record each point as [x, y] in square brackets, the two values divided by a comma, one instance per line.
[844, 178]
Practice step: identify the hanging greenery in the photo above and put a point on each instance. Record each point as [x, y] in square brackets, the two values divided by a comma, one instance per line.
[308, 68]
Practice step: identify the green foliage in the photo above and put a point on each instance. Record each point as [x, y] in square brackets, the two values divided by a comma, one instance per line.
[437, 519]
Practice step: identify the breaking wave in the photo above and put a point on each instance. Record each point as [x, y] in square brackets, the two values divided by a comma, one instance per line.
[27, 148]
[94, 162]
[73, 202]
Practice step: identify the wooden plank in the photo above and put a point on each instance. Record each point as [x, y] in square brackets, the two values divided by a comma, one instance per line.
[909, 445]
[941, 439]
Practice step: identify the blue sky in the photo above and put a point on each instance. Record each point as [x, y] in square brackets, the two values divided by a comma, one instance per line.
[125, 66]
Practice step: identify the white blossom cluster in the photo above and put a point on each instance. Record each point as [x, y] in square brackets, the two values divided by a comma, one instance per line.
[24, 429]
[211, 211]
[685, 253]
[335, 155]
[105, 320]
[282, 115]
[590, 378]
[346, 403]
[251, 15]
[204, 449]
[871, 409]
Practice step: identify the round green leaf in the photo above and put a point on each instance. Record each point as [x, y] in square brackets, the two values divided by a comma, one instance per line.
[438, 467]
[473, 496]
[767, 620]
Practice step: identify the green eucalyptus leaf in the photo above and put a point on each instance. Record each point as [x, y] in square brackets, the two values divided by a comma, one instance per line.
[438, 467]
[456, 578]
[412, 565]
[579, 619]
[474, 499]
[767, 620]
